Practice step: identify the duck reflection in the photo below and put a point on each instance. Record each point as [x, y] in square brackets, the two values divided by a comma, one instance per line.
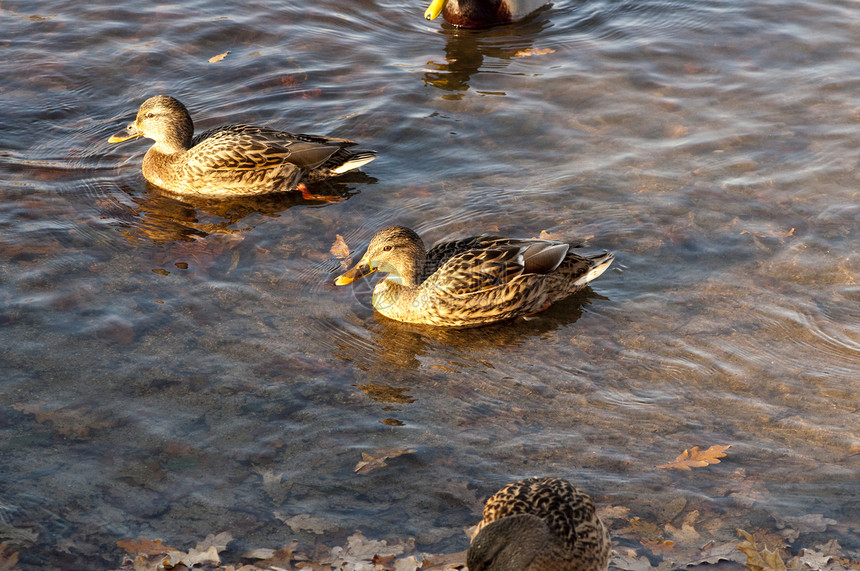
[393, 344]
[157, 216]
[465, 51]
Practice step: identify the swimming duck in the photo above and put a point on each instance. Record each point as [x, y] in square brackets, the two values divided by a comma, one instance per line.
[234, 159]
[539, 524]
[482, 13]
[473, 281]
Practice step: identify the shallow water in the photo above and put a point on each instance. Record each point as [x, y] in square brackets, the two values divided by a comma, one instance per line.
[173, 369]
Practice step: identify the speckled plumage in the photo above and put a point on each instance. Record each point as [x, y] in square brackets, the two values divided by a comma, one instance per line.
[234, 159]
[482, 13]
[472, 281]
[540, 524]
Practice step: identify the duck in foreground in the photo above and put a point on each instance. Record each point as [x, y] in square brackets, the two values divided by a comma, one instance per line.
[235, 159]
[482, 13]
[473, 281]
[540, 524]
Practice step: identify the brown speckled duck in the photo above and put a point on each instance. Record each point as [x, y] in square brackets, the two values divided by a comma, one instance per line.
[235, 159]
[473, 281]
[540, 524]
[482, 13]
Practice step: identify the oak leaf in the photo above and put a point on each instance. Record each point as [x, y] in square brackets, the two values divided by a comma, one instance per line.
[695, 458]
[339, 249]
[764, 560]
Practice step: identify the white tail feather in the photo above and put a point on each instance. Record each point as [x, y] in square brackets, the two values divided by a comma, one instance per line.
[602, 263]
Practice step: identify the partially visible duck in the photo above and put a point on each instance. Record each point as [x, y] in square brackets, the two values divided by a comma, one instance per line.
[482, 13]
[473, 281]
[235, 159]
[539, 524]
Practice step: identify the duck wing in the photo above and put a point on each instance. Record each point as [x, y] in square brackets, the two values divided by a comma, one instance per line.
[494, 264]
[248, 147]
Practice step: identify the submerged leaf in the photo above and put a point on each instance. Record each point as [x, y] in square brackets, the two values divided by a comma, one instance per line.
[339, 249]
[219, 57]
[695, 458]
[372, 461]
[764, 560]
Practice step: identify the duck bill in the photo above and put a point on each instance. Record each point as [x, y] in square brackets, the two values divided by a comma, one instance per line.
[129, 132]
[434, 9]
[361, 270]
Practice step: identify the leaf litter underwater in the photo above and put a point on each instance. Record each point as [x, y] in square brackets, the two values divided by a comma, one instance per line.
[175, 369]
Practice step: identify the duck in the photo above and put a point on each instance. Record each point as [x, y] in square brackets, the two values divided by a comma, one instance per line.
[471, 281]
[482, 13]
[232, 160]
[539, 524]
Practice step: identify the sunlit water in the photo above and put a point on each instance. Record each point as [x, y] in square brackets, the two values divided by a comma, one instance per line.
[174, 369]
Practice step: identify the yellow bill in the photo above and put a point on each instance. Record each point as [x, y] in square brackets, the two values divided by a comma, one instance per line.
[434, 9]
[129, 132]
[360, 270]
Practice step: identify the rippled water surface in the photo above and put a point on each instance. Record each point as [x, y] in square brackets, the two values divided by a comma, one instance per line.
[172, 369]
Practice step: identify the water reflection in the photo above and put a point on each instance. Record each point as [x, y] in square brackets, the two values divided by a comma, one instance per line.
[157, 216]
[392, 344]
[465, 51]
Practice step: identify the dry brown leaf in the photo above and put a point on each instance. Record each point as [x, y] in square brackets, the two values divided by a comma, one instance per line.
[534, 52]
[764, 560]
[687, 535]
[659, 547]
[695, 458]
[713, 552]
[8, 558]
[143, 546]
[219, 57]
[377, 460]
[613, 512]
[275, 557]
[339, 249]
[307, 522]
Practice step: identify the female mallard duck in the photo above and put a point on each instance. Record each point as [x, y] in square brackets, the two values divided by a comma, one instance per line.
[472, 281]
[482, 13]
[540, 524]
[234, 159]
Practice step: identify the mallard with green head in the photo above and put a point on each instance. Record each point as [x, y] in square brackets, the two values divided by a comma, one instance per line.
[473, 281]
[539, 524]
[235, 159]
[482, 13]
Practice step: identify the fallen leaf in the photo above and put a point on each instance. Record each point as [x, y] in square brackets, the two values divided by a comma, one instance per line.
[534, 52]
[373, 461]
[307, 522]
[8, 558]
[339, 249]
[695, 458]
[143, 546]
[219, 57]
[809, 523]
[764, 560]
[613, 512]
[659, 547]
[712, 553]
[631, 562]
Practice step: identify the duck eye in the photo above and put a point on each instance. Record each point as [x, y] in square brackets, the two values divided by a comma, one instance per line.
[150, 115]
[386, 249]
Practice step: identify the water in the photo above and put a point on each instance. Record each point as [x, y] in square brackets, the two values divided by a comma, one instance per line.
[173, 369]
